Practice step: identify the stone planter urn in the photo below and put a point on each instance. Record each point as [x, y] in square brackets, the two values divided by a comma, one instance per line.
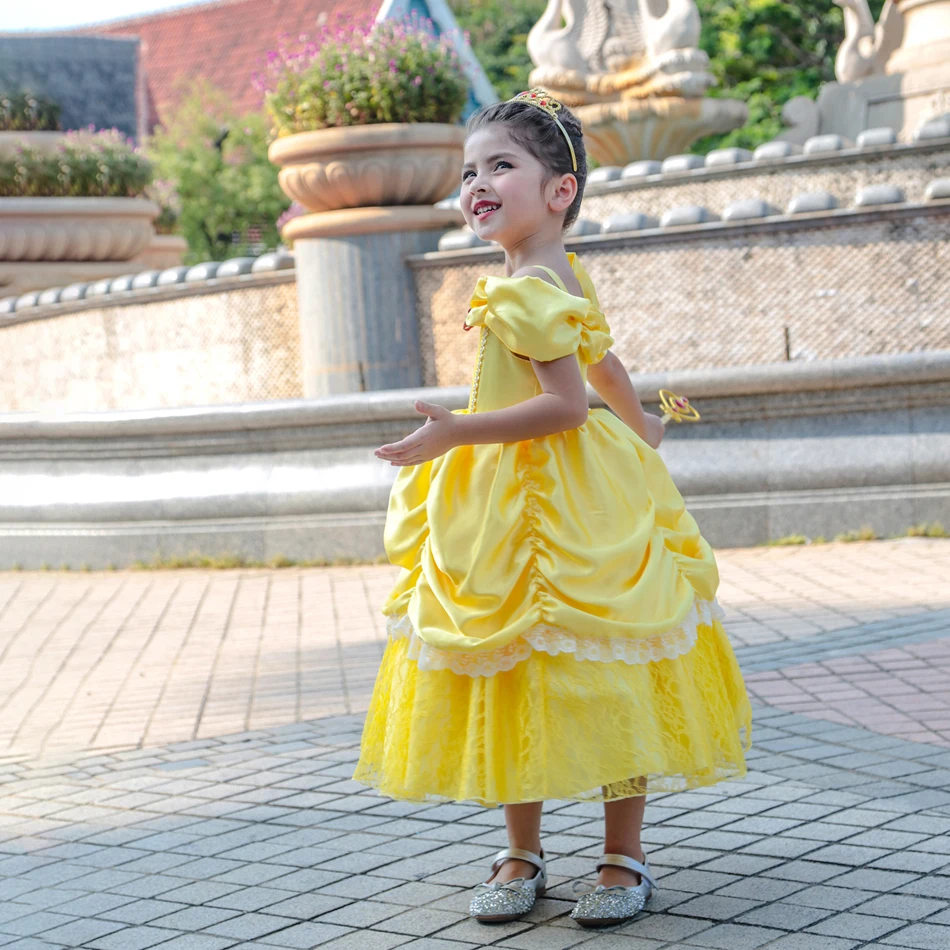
[370, 165]
[74, 229]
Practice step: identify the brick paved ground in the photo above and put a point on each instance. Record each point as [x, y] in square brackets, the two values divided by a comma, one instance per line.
[168, 783]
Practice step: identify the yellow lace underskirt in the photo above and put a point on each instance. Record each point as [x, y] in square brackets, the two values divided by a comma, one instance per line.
[555, 727]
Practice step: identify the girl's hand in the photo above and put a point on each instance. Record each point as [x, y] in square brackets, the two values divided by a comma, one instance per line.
[437, 435]
[655, 430]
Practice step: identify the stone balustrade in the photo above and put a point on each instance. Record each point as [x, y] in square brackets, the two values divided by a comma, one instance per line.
[801, 448]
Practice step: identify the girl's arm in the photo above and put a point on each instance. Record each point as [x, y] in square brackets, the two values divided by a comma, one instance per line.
[563, 405]
[613, 384]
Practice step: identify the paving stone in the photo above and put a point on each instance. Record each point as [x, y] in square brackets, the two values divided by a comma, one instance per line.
[417, 892]
[810, 942]
[807, 872]
[782, 847]
[305, 936]
[872, 880]
[714, 907]
[92, 905]
[200, 892]
[141, 911]
[197, 942]
[920, 937]
[741, 864]
[33, 924]
[731, 937]
[859, 926]
[134, 938]
[784, 916]
[194, 918]
[251, 926]
[365, 914]
[251, 899]
[151, 885]
[559, 938]
[903, 906]
[829, 898]
[914, 861]
[419, 922]
[78, 932]
[367, 940]
[761, 889]
[698, 882]
[432, 943]
[847, 855]
[664, 927]
[938, 887]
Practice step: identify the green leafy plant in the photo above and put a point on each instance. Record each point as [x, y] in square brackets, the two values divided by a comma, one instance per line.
[866, 533]
[498, 33]
[221, 189]
[92, 165]
[22, 111]
[363, 75]
[933, 530]
[765, 52]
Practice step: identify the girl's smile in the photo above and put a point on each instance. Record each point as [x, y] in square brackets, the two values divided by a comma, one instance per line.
[482, 209]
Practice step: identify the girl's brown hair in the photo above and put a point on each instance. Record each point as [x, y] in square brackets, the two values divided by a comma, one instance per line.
[537, 133]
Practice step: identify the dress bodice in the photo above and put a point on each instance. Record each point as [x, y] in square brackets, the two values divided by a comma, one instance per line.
[525, 317]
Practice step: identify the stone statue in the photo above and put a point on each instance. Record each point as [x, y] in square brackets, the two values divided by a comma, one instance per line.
[633, 72]
[893, 74]
[867, 46]
[610, 49]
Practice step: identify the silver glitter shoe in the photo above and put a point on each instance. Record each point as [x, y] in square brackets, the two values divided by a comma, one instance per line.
[606, 906]
[495, 902]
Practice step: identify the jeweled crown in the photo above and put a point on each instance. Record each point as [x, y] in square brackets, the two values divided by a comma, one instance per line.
[538, 97]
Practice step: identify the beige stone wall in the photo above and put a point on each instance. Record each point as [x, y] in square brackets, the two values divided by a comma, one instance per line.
[850, 284]
[910, 169]
[190, 348]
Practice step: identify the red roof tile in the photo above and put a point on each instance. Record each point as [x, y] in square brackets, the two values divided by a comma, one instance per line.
[224, 42]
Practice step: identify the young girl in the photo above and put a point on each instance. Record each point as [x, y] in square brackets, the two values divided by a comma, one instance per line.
[554, 632]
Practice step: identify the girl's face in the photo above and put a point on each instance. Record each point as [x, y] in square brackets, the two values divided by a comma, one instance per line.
[506, 192]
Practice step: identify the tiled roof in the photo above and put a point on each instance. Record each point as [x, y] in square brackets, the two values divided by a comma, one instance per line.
[224, 42]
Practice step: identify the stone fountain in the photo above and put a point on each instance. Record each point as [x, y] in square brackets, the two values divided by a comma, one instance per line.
[632, 73]
[894, 73]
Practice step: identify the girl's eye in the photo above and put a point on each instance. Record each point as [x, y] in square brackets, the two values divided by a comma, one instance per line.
[503, 162]
[467, 174]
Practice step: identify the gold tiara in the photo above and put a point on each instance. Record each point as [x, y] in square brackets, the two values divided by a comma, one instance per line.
[538, 98]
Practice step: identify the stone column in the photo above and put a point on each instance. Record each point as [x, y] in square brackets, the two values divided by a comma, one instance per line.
[358, 329]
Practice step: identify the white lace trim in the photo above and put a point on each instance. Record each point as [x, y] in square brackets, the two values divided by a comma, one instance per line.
[553, 640]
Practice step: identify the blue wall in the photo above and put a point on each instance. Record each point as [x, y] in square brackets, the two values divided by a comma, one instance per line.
[91, 78]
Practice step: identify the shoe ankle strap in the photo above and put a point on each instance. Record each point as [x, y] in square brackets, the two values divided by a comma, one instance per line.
[622, 861]
[536, 859]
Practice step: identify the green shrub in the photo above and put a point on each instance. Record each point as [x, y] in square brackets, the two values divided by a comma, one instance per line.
[100, 165]
[223, 192]
[867, 533]
[934, 530]
[21, 111]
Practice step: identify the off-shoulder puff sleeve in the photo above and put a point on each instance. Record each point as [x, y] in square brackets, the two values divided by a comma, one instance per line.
[534, 318]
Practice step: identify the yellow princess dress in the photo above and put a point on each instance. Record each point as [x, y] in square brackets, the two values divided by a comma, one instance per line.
[554, 632]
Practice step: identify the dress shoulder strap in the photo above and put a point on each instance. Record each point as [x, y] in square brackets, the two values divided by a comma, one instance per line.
[553, 274]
